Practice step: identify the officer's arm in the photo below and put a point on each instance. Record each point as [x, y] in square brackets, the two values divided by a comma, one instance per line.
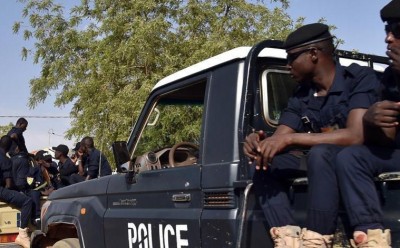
[351, 135]
[381, 136]
[8, 183]
[381, 123]
[14, 136]
[81, 170]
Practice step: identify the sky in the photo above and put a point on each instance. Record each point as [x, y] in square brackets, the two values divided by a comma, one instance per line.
[357, 21]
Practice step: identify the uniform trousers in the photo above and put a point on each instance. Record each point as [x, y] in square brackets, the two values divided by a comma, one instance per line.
[356, 168]
[35, 196]
[19, 200]
[271, 188]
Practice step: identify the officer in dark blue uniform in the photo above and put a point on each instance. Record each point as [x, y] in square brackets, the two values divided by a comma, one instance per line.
[22, 202]
[25, 175]
[65, 164]
[91, 162]
[358, 165]
[19, 153]
[49, 171]
[96, 163]
[16, 134]
[325, 114]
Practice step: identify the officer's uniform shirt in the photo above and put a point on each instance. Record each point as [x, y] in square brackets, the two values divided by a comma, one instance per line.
[391, 91]
[353, 87]
[53, 169]
[20, 141]
[5, 167]
[66, 170]
[94, 158]
[35, 175]
[20, 170]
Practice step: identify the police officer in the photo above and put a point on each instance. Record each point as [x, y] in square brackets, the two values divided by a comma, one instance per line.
[48, 170]
[358, 165]
[65, 164]
[96, 163]
[91, 162]
[16, 134]
[22, 202]
[324, 114]
[27, 176]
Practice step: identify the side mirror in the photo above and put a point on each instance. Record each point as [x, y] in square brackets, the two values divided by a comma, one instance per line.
[121, 156]
[122, 160]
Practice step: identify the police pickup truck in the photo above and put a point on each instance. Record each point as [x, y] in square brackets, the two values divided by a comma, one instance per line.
[192, 186]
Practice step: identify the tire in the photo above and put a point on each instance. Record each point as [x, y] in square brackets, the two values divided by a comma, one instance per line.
[67, 243]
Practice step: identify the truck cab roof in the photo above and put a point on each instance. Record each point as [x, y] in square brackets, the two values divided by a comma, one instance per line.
[345, 58]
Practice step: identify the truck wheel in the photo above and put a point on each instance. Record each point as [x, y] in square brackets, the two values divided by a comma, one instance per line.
[67, 243]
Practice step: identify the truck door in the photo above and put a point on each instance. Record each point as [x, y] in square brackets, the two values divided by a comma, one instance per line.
[162, 207]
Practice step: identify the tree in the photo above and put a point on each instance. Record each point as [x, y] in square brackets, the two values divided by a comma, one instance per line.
[105, 56]
[5, 128]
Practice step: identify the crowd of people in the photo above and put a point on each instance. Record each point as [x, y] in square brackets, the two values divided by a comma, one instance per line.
[348, 121]
[26, 177]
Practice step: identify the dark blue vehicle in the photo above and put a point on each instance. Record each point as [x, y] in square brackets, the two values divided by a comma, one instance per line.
[192, 187]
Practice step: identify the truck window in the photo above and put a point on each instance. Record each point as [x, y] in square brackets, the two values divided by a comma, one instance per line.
[276, 88]
[176, 117]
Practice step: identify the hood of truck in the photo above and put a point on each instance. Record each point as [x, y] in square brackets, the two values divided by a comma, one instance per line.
[87, 188]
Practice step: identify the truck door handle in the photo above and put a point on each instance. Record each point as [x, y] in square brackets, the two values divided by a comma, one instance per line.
[181, 198]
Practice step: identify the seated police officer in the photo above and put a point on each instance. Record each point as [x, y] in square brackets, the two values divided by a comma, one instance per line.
[91, 162]
[324, 114]
[65, 164]
[27, 176]
[357, 166]
[49, 171]
[14, 198]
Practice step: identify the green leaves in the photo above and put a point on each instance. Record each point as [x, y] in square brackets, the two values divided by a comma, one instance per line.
[104, 56]
[4, 129]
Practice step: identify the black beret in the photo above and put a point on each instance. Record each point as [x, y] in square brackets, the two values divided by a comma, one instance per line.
[307, 34]
[391, 11]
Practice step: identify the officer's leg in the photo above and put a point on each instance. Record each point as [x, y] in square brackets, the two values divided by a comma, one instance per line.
[19, 200]
[76, 178]
[356, 168]
[355, 171]
[271, 188]
[35, 196]
[323, 191]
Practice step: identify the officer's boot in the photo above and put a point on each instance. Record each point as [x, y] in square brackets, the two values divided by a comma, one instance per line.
[286, 236]
[310, 239]
[23, 238]
[375, 238]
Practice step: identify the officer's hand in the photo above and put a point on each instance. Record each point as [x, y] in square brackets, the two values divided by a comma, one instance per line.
[74, 158]
[382, 114]
[394, 56]
[271, 146]
[251, 144]
[79, 154]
